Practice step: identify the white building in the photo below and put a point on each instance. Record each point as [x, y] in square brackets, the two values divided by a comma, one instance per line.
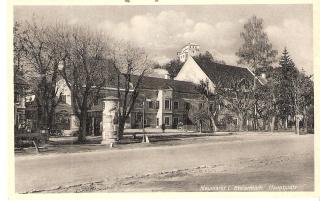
[190, 49]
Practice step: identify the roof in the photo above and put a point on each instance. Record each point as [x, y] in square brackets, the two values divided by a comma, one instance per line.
[224, 74]
[96, 108]
[63, 107]
[160, 83]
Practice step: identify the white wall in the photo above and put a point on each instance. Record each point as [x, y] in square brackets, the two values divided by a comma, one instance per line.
[160, 110]
[191, 72]
[64, 90]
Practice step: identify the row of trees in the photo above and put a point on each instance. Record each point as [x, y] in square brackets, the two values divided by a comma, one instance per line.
[287, 92]
[284, 93]
[85, 59]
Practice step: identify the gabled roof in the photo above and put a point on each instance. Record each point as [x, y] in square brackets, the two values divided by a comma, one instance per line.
[224, 74]
[152, 83]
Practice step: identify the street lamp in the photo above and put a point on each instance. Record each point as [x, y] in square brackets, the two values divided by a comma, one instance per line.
[143, 103]
[143, 113]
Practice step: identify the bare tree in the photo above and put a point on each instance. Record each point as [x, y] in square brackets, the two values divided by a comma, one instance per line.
[86, 69]
[212, 103]
[19, 51]
[199, 115]
[133, 65]
[238, 98]
[303, 97]
[267, 103]
[41, 68]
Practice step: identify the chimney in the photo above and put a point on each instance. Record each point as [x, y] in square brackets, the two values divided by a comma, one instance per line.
[263, 76]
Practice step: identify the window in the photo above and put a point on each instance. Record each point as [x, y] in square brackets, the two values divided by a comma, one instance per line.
[157, 121]
[157, 104]
[16, 97]
[167, 121]
[175, 105]
[167, 104]
[200, 105]
[187, 106]
[175, 120]
[63, 98]
[150, 105]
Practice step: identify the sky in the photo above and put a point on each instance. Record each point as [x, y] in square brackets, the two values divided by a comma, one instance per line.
[163, 30]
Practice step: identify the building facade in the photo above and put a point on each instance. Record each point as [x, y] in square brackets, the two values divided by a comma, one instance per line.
[168, 101]
[160, 101]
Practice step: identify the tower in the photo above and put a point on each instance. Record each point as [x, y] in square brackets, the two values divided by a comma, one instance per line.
[191, 49]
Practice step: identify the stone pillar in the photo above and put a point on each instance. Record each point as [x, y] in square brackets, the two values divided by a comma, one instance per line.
[109, 123]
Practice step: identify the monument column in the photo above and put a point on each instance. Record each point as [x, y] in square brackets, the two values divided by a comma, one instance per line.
[109, 120]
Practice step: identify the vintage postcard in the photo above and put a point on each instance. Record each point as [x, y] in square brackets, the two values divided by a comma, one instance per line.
[163, 97]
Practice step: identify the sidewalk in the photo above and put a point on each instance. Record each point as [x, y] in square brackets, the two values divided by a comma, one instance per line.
[68, 144]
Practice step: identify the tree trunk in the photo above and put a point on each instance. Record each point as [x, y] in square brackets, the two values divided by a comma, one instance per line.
[273, 119]
[296, 130]
[240, 119]
[121, 128]
[286, 123]
[213, 125]
[44, 118]
[305, 121]
[50, 123]
[200, 124]
[51, 119]
[264, 124]
[255, 119]
[83, 127]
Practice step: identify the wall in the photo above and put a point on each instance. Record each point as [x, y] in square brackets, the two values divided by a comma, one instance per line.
[64, 90]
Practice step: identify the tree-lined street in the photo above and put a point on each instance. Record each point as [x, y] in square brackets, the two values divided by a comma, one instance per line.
[105, 111]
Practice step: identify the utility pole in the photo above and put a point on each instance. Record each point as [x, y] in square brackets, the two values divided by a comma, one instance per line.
[143, 116]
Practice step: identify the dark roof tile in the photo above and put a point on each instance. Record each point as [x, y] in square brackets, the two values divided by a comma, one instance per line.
[224, 74]
[160, 83]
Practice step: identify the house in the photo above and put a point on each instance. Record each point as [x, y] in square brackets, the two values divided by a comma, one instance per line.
[161, 101]
[215, 73]
[19, 103]
[167, 101]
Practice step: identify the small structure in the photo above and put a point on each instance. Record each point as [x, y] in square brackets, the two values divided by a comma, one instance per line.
[109, 120]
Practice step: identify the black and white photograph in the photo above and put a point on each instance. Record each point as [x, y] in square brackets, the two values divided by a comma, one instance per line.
[163, 98]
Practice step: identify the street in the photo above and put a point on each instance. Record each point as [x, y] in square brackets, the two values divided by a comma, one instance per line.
[269, 161]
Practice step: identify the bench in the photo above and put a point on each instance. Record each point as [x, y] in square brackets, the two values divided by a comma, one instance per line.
[36, 139]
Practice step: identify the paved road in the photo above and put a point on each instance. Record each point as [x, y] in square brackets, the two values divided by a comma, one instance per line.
[51, 171]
